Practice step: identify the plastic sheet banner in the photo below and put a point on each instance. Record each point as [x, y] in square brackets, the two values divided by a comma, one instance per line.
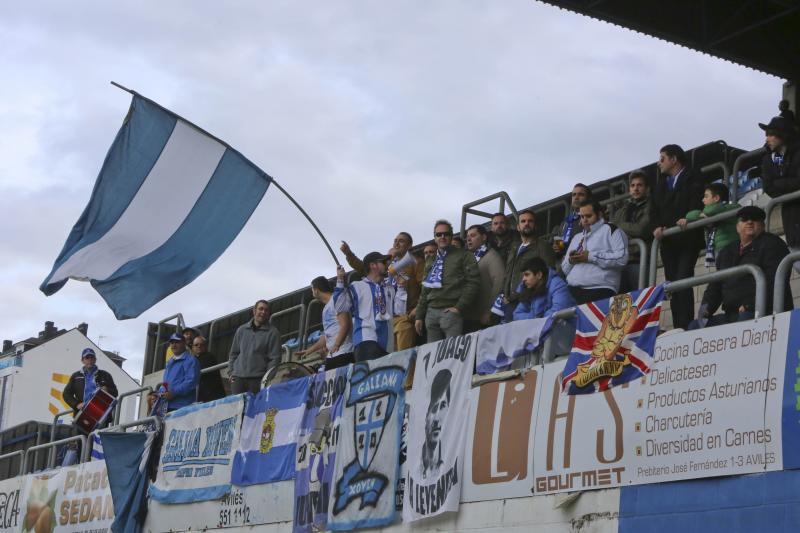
[12, 510]
[74, 499]
[196, 457]
[437, 432]
[316, 449]
[711, 406]
[367, 462]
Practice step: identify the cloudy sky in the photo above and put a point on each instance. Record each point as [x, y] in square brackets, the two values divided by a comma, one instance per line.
[377, 116]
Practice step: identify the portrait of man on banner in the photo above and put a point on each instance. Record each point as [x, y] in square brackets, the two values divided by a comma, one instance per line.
[435, 417]
[614, 341]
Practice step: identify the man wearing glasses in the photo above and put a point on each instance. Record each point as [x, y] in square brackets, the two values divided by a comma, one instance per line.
[211, 387]
[451, 286]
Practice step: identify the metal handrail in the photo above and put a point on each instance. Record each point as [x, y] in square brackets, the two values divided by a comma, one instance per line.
[55, 424]
[725, 174]
[9, 455]
[737, 166]
[214, 368]
[140, 422]
[161, 323]
[307, 321]
[51, 457]
[467, 208]
[118, 407]
[674, 230]
[288, 310]
[781, 273]
[719, 275]
[788, 197]
[642, 260]
[673, 286]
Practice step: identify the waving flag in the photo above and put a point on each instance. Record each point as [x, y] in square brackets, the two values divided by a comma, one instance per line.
[126, 465]
[168, 201]
[614, 341]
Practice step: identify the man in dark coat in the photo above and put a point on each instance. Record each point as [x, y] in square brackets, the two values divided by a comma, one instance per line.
[83, 383]
[680, 192]
[780, 171]
[210, 387]
[738, 295]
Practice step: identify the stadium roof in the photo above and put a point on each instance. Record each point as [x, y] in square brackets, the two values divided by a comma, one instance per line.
[760, 34]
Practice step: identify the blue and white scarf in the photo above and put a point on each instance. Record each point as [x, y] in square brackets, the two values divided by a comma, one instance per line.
[379, 307]
[434, 278]
[481, 251]
[777, 158]
[711, 258]
[566, 235]
[89, 383]
[499, 306]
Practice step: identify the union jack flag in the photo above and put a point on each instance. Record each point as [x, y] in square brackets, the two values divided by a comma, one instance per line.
[614, 341]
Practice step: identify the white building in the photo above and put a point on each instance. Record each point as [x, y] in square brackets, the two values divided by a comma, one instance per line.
[34, 372]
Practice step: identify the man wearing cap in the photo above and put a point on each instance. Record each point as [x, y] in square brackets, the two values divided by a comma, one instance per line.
[451, 286]
[780, 171]
[738, 295]
[256, 349]
[188, 336]
[372, 304]
[85, 382]
[181, 376]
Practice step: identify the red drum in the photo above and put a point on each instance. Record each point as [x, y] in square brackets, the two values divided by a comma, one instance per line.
[284, 372]
[95, 411]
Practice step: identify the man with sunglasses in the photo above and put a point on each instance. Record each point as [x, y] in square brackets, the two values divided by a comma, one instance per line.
[737, 296]
[451, 286]
[780, 170]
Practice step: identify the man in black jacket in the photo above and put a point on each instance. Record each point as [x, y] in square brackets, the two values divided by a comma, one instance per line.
[738, 295]
[210, 387]
[635, 219]
[85, 382]
[680, 192]
[780, 171]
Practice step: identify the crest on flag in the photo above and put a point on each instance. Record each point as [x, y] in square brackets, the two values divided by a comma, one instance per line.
[268, 430]
[614, 341]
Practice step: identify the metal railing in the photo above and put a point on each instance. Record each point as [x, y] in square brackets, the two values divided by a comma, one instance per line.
[157, 343]
[118, 407]
[774, 202]
[467, 209]
[782, 272]
[307, 321]
[642, 260]
[213, 326]
[10, 455]
[737, 166]
[673, 286]
[301, 308]
[51, 457]
[55, 425]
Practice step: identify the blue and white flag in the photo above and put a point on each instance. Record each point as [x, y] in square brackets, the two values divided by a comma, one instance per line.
[316, 449]
[498, 346]
[269, 434]
[614, 341]
[129, 454]
[368, 458]
[199, 444]
[168, 201]
[97, 448]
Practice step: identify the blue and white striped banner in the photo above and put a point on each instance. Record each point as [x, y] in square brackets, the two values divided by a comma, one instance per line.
[169, 200]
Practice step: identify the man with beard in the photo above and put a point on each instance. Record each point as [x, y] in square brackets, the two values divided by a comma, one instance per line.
[502, 238]
[492, 271]
[435, 416]
[372, 304]
[780, 170]
[530, 246]
[571, 226]
[634, 219]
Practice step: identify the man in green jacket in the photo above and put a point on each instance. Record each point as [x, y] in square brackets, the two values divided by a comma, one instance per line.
[721, 234]
[451, 286]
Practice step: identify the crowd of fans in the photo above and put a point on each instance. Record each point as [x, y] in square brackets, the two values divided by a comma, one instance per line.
[515, 271]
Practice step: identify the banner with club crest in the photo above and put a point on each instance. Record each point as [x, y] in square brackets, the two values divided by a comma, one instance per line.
[316, 449]
[437, 433]
[367, 467]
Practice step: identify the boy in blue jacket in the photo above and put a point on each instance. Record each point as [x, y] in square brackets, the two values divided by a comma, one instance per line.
[542, 291]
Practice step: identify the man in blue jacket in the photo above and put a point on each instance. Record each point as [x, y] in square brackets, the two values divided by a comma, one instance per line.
[181, 376]
[542, 292]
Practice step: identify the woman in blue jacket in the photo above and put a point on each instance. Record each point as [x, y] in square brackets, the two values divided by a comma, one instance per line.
[542, 291]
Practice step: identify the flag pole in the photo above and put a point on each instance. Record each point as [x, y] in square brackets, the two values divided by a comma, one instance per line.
[289, 196]
[310, 221]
